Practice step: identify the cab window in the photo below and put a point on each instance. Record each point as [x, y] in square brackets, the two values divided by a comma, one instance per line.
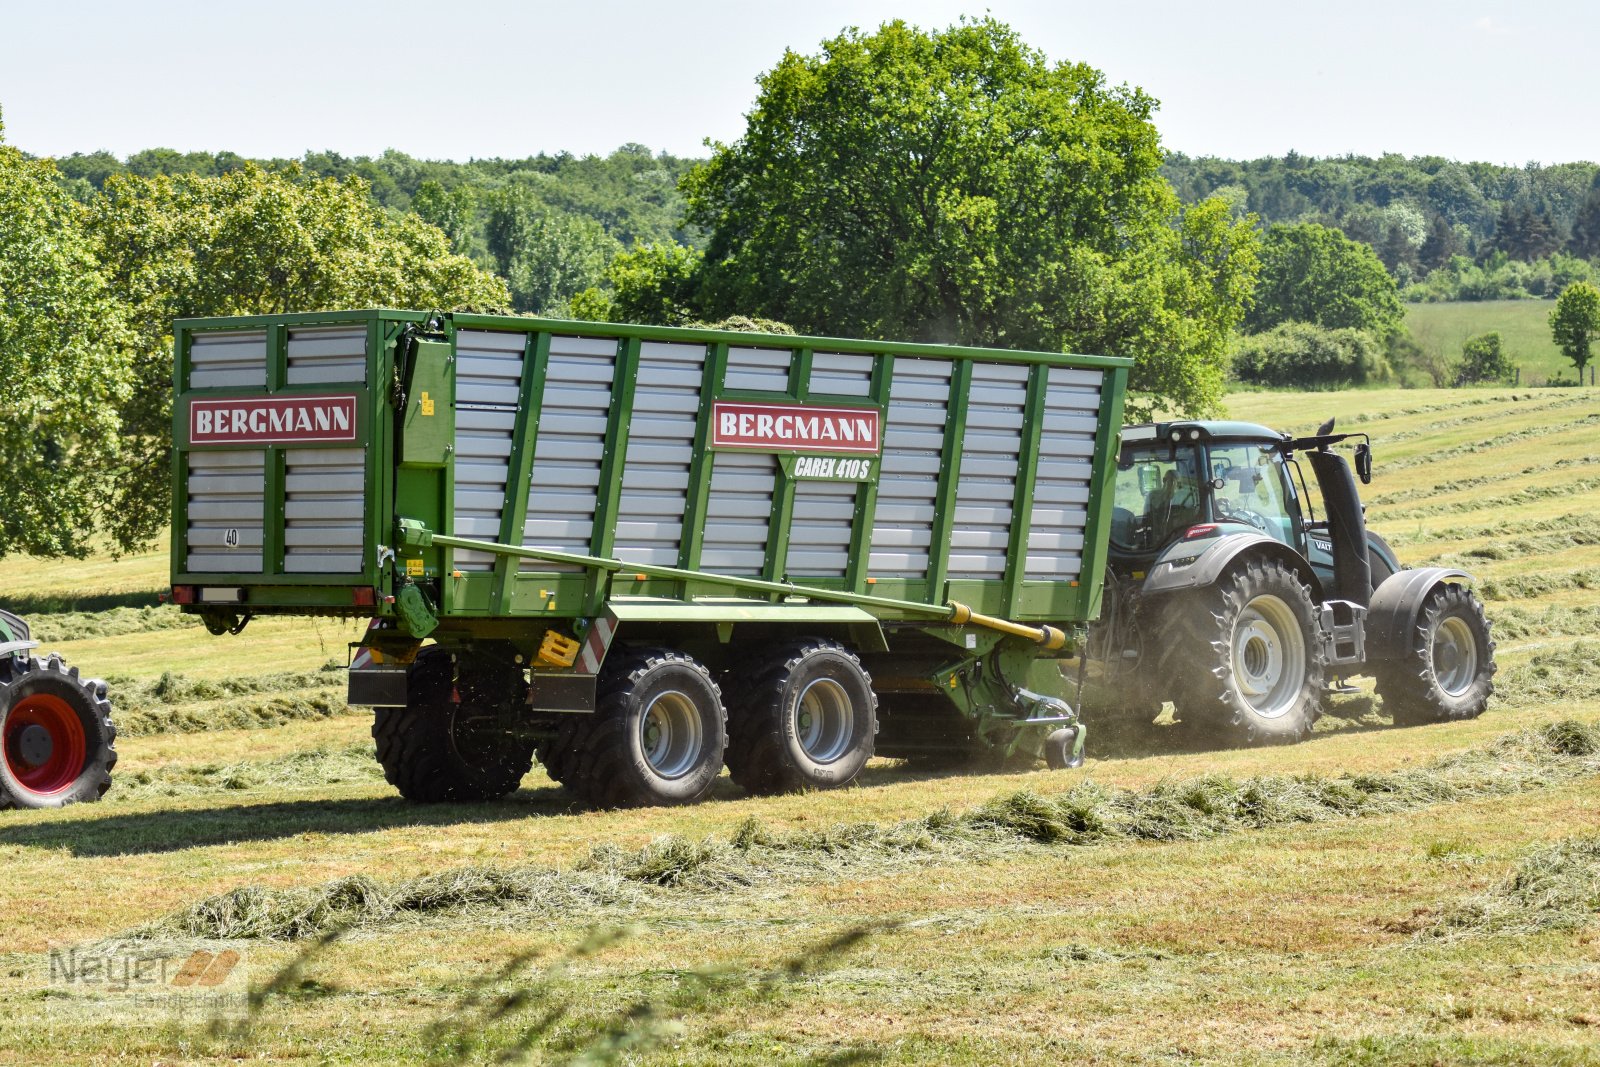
[1247, 486]
[1158, 494]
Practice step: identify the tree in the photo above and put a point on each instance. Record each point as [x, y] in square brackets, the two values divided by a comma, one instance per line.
[63, 365]
[955, 186]
[249, 242]
[1575, 322]
[1310, 273]
[450, 210]
[1483, 359]
[548, 257]
[1585, 238]
[1440, 244]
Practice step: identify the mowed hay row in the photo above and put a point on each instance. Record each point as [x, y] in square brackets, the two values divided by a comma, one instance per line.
[755, 858]
[175, 703]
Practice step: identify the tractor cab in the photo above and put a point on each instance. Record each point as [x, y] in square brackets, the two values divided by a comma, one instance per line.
[1183, 481]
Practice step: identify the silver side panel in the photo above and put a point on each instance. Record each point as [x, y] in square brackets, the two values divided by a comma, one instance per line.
[990, 452]
[488, 386]
[327, 354]
[841, 374]
[565, 483]
[225, 494]
[1066, 464]
[819, 531]
[655, 479]
[738, 511]
[908, 482]
[228, 359]
[324, 509]
[761, 369]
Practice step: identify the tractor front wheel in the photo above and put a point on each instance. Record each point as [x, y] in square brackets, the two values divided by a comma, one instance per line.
[57, 734]
[1446, 668]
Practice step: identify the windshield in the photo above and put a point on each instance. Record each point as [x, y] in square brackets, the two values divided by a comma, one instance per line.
[1248, 486]
[1157, 495]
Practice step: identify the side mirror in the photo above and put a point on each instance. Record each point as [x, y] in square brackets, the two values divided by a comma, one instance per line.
[1364, 462]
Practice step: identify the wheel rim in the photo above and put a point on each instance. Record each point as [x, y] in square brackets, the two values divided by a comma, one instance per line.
[1269, 657]
[671, 735]
[44, 744]
[1455, 656]
[823, 717]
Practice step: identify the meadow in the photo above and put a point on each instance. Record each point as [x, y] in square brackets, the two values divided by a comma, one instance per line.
[1524, 327]
[1375, 895]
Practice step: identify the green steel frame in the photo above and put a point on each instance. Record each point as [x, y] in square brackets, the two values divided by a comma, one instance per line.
[509, 591]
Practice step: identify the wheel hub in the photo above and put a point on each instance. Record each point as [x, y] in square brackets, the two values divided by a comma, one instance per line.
[34, 745]
[671, 736]
[824, 720]
[1455, 656]
[1269, 657]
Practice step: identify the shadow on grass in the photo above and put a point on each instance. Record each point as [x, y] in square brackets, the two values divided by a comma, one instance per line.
[96, 833]
[55, 603]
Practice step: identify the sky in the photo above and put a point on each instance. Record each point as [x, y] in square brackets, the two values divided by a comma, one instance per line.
[458, 79]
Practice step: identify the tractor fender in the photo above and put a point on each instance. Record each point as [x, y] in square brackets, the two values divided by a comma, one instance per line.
[1397, 603]
[1198, 564]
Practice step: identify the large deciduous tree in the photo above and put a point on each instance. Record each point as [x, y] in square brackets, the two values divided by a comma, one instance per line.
[1575, 323]
[1310, 273]
[547, 256]
[63, 367]
[251, 241]
[956, 186]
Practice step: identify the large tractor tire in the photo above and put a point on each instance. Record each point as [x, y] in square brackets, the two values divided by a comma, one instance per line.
[1446, 670]
[806, 719]
[1245, 657]
[656, 737]
[59, 743]
[445, 745]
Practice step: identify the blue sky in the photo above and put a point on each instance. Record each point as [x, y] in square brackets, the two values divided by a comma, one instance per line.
[1504, 82]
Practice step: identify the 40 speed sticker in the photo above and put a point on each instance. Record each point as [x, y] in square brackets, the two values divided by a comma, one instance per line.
[834, 468]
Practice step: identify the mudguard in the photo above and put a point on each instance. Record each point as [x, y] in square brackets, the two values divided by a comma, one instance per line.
[1396, 605]
[12, 628]
[1199, 563]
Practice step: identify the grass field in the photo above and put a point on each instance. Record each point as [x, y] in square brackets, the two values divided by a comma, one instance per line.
[1524, 327]
[1375, 895]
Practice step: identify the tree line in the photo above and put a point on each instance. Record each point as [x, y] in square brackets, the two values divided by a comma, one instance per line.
[948, 186]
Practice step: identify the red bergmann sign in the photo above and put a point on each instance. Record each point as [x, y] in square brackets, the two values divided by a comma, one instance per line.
[795, 428]
[273, 420]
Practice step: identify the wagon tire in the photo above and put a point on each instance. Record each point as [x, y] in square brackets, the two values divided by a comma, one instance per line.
[438, 749]
[59, 741]
[806, 719]
[656, 737]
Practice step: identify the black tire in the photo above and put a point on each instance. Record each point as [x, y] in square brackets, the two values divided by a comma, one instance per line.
[437, 749]
[1446, 670]
[1059, 750]
[807, 719]
[58, 738]
[1246, 657]
[656, 737]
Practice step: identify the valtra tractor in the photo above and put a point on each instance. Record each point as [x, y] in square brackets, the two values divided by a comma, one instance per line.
[59, 743]
[1230, 596]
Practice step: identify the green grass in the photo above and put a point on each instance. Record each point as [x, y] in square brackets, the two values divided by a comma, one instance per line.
[1524, 327]
[1372, 896]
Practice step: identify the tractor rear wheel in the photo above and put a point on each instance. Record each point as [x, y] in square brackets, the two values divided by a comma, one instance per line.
[59, 743]
[656, 737]
[1446, 669]
[445, 745]
[807, 719]
[1245, 656]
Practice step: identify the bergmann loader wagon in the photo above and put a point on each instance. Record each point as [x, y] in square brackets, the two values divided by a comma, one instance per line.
[643, 553]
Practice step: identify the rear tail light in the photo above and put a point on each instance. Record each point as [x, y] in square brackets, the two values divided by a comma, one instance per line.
[1204, 529]
[183, 594]
[364, 596]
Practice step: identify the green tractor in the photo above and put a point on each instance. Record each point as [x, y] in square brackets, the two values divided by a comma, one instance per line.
[59, 743]
[1230, 596]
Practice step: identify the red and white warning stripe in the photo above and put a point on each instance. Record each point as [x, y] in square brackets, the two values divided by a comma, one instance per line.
[596, 643]
[363, 660]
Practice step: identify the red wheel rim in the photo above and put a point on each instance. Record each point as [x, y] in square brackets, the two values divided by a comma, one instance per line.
[55, 771]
